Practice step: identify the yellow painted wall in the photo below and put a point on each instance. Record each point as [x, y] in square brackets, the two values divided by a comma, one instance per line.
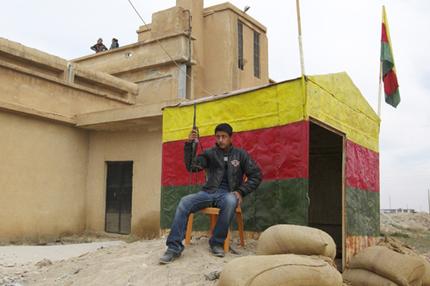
[42, 179]
[336, 101]
[143, 147]
[266, 107]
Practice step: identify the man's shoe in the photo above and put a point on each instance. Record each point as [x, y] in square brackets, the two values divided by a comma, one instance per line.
[168, 257]
[217, 250]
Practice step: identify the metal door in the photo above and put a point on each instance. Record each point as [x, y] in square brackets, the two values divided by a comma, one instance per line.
[118, 197]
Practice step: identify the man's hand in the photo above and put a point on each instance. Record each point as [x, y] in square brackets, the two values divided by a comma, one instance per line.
[193, 135]
[239, 198]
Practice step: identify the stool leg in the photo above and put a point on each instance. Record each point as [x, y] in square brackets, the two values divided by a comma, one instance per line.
[239, 219]
[189, 229]
[227, 242]
[213, 219]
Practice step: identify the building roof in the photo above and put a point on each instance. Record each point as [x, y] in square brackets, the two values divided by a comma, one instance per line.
[228, 6]
[49, 87]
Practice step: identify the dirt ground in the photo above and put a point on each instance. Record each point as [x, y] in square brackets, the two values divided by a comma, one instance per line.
[120, 263]
[114, 262]
[411, 229]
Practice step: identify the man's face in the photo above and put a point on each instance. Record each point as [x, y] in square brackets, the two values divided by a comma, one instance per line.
[223, 140]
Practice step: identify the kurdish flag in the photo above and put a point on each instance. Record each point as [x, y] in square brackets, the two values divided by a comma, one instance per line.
[389, 77]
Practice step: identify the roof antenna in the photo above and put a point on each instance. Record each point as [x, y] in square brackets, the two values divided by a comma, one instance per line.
[246, 9]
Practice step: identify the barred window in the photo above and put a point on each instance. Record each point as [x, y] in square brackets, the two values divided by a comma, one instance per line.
[240, 44]
[256, 54]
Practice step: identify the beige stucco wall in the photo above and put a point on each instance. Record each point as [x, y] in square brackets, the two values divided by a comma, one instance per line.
[169, 21]
[156, 85]
[146, 65]
[34, 92]
[214, 46]
[139, 55]
[245, 77]
[220, 52]
[143, 147]
[54, 178]
[44, 155]
[37, 83]
[42, 179]
[222, 73]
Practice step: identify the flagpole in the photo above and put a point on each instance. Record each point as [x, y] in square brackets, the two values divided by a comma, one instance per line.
[299, 26]
[380, 72]
[380, 90]
[302, 58]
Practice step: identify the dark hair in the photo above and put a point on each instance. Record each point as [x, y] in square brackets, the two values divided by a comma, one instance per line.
[225, 127]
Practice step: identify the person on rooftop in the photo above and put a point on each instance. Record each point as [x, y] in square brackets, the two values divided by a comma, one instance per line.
[99, 47]
[114, 44]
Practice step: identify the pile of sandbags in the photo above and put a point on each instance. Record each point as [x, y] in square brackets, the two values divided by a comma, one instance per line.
[286, 255]
[379, 266]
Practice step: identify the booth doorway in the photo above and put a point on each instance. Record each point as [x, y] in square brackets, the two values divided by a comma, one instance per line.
[119, 181]
[326, 164]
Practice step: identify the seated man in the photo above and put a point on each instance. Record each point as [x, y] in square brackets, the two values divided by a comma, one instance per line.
[225, 187]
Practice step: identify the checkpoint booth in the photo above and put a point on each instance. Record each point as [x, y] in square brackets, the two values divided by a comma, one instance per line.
[316, 141]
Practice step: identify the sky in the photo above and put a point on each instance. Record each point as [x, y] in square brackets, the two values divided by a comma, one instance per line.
[338, 35]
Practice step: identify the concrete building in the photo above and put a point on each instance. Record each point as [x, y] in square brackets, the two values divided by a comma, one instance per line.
[81, 139]
[398, 211]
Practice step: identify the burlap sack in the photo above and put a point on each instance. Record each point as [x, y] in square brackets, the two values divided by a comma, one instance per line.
[405, 270]
[400, 247]
[295, 239]
[361, 277]
[279, 270]
[426, 276]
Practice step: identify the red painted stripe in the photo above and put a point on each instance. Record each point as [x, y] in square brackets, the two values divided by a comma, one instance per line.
[281, 152]
[384, 37]
[362, 168]
[390, 83]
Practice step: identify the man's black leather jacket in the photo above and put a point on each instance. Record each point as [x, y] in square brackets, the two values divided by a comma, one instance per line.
[212, 160]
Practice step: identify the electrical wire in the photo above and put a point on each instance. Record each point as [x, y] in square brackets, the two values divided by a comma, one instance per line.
[193, 175]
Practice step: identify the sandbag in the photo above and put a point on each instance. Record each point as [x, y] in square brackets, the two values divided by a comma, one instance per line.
[426, 276]
[361, 277]
[279, 270]
[400, 247]
[404, 270]
[295, 239]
